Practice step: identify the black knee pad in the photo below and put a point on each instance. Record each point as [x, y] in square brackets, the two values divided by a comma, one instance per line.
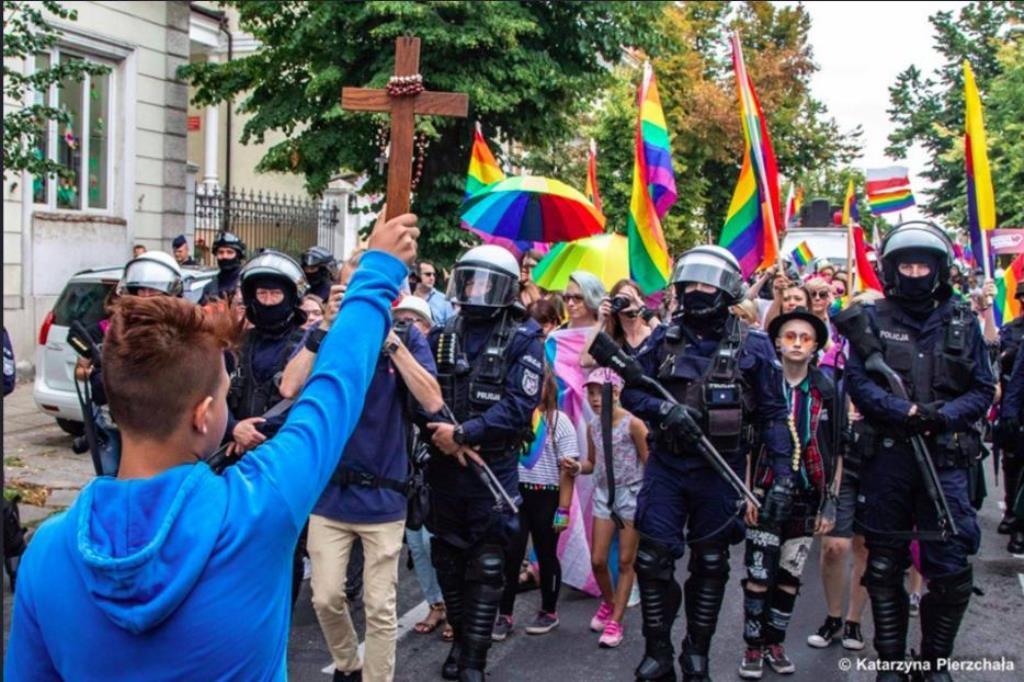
[446, 558]
[885, 568]
[654, 561]
[710, 561]
[486, 565]
[786, 579]
[952, 589]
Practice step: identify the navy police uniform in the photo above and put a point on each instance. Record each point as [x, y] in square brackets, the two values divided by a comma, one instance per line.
[1009, 433]
[1012, 447]
[943, 362]
[491, 372]
[726, 377]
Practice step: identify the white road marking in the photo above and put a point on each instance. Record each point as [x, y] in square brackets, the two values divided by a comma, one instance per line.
[1020, 577]
[406, 624]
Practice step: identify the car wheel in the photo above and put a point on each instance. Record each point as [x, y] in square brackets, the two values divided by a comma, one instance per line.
[70, 427]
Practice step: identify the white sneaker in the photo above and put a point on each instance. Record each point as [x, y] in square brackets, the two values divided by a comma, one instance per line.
[634, 596]
[307, 568]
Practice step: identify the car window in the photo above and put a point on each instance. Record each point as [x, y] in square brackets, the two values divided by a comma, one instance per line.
[82, 301]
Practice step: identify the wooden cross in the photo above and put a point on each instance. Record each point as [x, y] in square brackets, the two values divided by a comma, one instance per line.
[403, 109]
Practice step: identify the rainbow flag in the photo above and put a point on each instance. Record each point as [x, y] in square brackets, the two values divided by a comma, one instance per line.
[891, 201]
[590, 191]
[851, 214]
[981, 202]
[802, 255]
[794, 203]
[539, 426]
[483, 169]
[751, 223]
[1006, 307]
[654, 191]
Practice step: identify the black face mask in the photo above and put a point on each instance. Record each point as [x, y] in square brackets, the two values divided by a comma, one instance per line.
[706, 312]
[317, 278]
[272, 318]
[917, 295]
[229, 266]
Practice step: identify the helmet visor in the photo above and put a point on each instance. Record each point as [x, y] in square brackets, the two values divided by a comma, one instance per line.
[917, 238]
[148, 274]
[479, 286]
[706, 268]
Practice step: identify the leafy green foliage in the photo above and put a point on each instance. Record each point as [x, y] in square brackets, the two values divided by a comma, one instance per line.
[27, 33]
[530, 69]
[928, 109]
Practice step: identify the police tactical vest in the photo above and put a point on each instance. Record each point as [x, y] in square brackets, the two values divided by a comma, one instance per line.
[472, 388]
[248, 397]
[941, 373]
[714, 386]
[1010, 337]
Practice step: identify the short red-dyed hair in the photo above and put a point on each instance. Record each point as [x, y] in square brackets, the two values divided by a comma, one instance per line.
[161, 356]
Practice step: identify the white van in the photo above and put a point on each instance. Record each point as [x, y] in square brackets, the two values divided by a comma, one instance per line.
[824, 242]
[84, 298]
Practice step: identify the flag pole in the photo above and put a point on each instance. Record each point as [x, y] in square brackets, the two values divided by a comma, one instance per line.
[849, 260]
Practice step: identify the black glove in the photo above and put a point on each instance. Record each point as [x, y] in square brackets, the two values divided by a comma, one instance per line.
[1007, 433]
[681, 422]
[927, 419]
[777, 503]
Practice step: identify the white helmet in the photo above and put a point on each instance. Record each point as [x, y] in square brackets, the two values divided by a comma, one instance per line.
[485, 280]
[152, 270]
[714, 266]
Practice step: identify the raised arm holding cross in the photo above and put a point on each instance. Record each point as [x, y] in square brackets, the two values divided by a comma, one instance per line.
[404, 97]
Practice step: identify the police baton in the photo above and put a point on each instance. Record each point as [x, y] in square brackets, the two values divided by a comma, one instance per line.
[608, 354]
[853, 324]
[485, 472]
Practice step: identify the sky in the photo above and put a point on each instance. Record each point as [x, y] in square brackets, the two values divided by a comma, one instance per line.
[859, 48]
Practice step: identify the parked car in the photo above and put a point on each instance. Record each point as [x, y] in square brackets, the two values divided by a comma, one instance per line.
[84, 298]
[824, 242]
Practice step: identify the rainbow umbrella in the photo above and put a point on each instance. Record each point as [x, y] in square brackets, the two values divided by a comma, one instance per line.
[606, 255]
[532, 209]
[517, 248]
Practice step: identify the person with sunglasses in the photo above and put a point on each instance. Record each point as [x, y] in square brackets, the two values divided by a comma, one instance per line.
[440, 307]
[779, 537]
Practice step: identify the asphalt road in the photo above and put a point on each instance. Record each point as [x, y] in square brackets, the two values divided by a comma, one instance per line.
[993, 628]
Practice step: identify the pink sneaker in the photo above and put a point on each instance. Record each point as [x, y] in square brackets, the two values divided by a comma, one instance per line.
[612, 635]
[600, 619]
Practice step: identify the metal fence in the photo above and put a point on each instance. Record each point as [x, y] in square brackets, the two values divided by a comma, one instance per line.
[272, 221]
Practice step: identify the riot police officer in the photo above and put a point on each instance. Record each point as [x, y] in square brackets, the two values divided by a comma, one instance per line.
[272, 286]
[489, 362]
[1008, 436]
[1010, 337]
[720, 372]
[229, 251]
[321, 269]
[933, 342]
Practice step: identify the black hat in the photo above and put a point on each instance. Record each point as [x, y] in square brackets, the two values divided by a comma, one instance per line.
[800, 313]
[179, 241]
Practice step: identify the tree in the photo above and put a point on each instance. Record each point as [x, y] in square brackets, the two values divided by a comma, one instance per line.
[928, 109]
[698, 91]
[530, 69]
[27, 33]
[1006, 132]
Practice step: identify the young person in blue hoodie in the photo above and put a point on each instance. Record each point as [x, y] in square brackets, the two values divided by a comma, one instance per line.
[171, 571]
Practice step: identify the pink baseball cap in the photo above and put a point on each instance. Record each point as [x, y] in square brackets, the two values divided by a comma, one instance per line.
[603, 375]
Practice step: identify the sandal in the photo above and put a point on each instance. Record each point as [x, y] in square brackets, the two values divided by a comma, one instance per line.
[430, 623]
[448, 634]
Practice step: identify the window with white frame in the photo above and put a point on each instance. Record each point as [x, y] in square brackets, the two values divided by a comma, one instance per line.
[84, 147]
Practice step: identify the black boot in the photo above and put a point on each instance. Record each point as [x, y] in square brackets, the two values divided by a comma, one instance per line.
[705, 590]
[484, 580]
[890, 604]
[660, 597]
[942, 610]
[694, 662]
[450, 668]
[1016, 544]
[1006, 525]
[354, 676]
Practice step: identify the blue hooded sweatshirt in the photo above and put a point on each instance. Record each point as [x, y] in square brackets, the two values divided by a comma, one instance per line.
[187, 575]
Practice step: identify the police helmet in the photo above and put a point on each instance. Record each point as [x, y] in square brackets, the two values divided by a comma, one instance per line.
[319, 257]
[152, 270]
[230, 240]
[915, 236]
[712, 265]
[280, 266]
[485, 279]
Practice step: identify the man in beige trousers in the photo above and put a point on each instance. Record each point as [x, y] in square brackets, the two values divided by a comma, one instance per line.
[365, 498]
